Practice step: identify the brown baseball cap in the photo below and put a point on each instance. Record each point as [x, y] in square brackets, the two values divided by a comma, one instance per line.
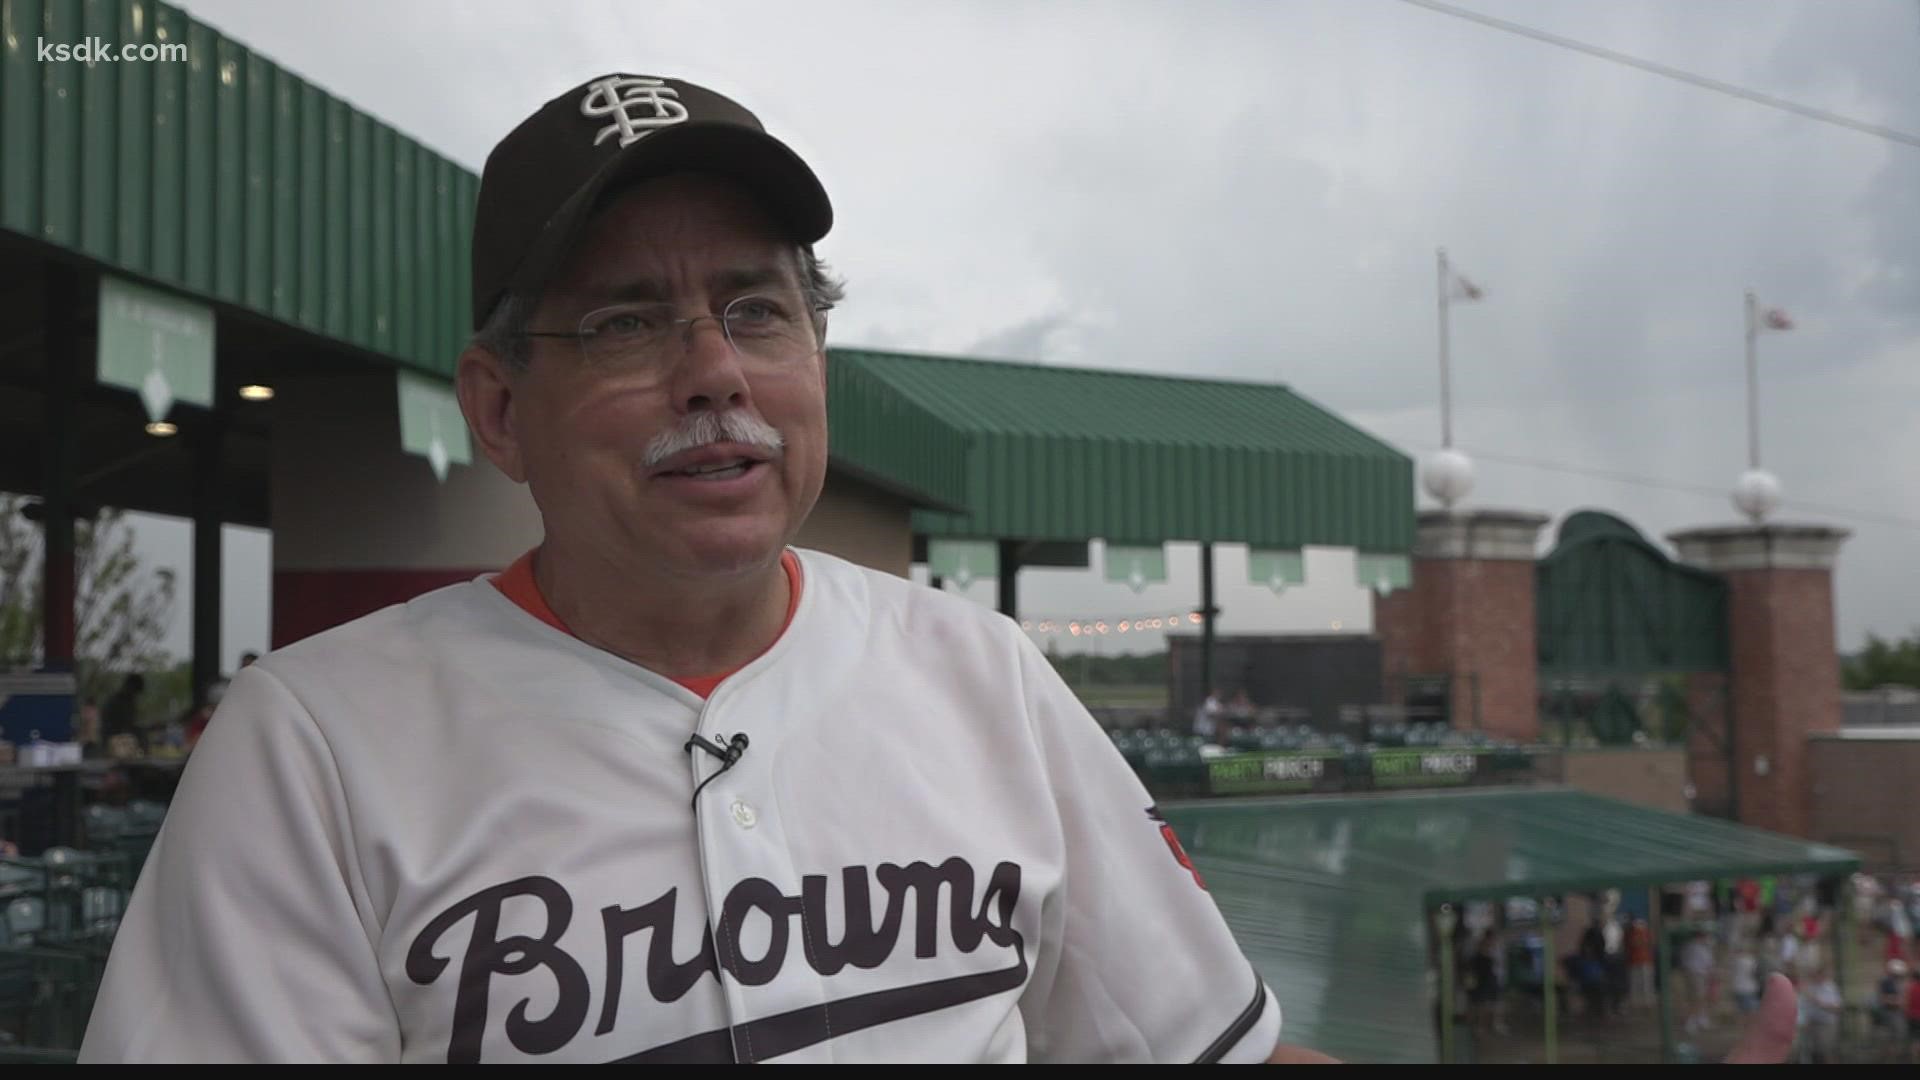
[548, 176]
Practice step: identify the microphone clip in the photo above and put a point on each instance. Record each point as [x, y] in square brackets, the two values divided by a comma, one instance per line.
[728, 754]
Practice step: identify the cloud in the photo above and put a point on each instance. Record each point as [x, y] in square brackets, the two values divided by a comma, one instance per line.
[1256, 190]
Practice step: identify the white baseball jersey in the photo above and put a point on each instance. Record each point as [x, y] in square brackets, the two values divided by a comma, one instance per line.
[451, 832]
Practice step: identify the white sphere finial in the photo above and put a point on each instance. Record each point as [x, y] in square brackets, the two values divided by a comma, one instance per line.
[1448, 476]
[1757, 494]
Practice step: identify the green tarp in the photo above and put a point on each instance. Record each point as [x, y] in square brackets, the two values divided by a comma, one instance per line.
[1327, 895]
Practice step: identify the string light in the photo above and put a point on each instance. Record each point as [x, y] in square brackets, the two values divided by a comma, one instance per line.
[1121, 624]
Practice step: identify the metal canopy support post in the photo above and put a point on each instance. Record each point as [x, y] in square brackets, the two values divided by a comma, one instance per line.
[1663, 958]
[1443, 922]
[208, 513]
[1841, 930]
[1010, 578]
[1549, 993]
[63, 365]
[1207, 613]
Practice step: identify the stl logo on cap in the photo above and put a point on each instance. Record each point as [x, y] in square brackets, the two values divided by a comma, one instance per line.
[618, 96]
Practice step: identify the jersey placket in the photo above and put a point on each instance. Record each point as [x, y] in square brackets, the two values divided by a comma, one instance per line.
[747, 865]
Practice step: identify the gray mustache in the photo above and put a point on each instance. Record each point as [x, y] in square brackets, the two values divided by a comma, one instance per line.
[707, 428]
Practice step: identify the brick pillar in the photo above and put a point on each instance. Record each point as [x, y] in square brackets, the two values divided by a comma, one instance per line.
[1785, 678]
[1470, 615]
[1708, 729]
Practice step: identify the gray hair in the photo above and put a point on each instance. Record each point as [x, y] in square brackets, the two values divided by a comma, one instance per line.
[504, 334]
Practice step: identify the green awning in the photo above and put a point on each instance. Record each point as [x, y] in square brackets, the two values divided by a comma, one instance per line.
[1608, 601]
[1073, 454]
[228, 178]
[882, 436]
[1328, 895]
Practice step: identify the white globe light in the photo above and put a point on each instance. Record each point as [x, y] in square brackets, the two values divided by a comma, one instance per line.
[1448, 476]
[1757, 494]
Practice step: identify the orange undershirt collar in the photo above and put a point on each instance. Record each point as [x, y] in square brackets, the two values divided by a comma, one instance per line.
[517, 585]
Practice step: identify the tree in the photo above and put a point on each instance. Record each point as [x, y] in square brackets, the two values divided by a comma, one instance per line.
[19, 591]
[1883, 663]
[121, 612]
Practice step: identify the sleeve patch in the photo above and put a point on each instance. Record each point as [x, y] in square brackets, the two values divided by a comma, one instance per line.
[1173, 845]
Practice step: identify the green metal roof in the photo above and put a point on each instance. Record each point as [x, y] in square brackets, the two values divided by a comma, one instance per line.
[878, 433]
[1059, 453]
[230, 178]
[1328, 896]
[1608, 600]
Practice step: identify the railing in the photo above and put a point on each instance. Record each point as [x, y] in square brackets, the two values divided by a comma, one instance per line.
[58, 916]
[1298, 760]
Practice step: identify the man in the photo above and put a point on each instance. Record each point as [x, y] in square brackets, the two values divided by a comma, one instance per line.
[1640, 964]
[1206, 718]
[1822, 1006]
[1696, 959]
[121, 719]
[1913, 1019]
[1890, 1002]
[667, 790]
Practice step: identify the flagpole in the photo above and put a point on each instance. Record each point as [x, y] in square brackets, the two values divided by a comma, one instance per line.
[1753, 385]
[1446, 388]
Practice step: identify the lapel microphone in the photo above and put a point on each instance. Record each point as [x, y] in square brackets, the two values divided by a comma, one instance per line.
[729, 756]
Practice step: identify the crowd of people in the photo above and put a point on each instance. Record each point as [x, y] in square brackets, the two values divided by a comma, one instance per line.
[1728, 942]
[121, 729]
[1213, 719]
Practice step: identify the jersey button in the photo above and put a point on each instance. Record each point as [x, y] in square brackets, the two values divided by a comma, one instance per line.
[743, 815]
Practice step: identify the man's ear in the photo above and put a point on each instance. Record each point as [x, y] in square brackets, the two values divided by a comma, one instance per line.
[487, 386]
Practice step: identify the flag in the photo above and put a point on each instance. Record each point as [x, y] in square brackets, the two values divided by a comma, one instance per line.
[1774, 318]
[1459, 288]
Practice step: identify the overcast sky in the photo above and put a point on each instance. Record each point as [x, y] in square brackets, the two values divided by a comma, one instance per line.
[1256, 190]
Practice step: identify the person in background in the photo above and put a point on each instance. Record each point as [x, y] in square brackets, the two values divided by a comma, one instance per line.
[1913, 1019]
[1616, 957]
[1896, 947]
[1889, 1004]
[1746, 906]
[1206, 719]
[1483, 988]
[1746, 980]
[1898, 928]
[1697, 961]
[1640, 965]
[1812, 923]
[122, 715]
[197, 722]
[1591, 967]
[86, 728]
[1810, 957]
[1241, 710]
[1821, 1005]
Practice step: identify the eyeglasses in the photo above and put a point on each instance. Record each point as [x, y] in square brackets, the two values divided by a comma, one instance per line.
[763, 328]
